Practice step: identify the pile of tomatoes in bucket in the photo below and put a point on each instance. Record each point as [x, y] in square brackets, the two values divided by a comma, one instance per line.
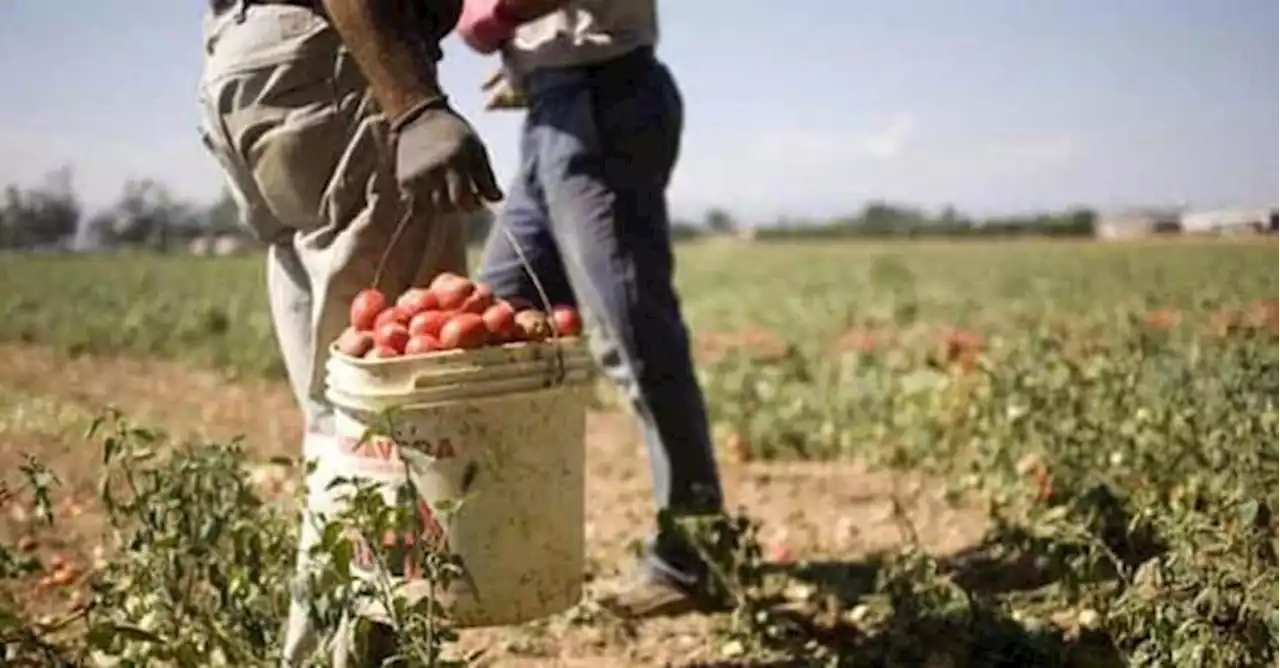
[452, 313]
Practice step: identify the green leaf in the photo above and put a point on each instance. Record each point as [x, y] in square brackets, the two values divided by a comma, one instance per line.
[1249, 512]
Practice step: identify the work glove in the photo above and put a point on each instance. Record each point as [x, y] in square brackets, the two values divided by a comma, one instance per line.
[485, 25]
[503, 93]
[441, 162]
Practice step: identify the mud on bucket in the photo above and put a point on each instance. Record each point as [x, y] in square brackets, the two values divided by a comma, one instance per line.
[503, 428]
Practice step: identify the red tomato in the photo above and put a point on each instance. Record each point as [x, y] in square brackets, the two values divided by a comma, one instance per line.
[453, 294]
[422, 343]
[464, 330]
[566, 320]
[366, 307]
[428, 322]
[382, 352]
[781, 554]
[354, 342]
[500, 321]
[444, 278]
[64, 576]
[391, 335]
[532, 325]
[417, 300]
[480, 299]
[395, 314]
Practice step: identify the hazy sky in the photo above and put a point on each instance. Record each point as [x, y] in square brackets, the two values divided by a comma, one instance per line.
[807, 107]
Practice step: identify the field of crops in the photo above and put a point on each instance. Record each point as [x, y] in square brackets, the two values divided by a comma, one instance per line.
[1104, 415]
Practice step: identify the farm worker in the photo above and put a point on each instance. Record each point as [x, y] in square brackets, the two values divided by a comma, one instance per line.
[588, 208]
[329, 123]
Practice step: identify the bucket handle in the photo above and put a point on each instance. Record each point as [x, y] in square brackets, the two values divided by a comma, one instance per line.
[406, 199]
[559, 372]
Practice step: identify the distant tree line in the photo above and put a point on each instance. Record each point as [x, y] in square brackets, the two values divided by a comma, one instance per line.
[41, 216]
[147, 215]
[50, 216]
[882, 220]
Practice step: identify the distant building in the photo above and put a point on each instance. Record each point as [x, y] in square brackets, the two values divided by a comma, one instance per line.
[1136, 223]
[200, 245]
[228, 244]
[1230, 221]
[221, 245]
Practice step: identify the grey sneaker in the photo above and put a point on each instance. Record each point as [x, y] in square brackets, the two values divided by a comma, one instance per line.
[643, 596]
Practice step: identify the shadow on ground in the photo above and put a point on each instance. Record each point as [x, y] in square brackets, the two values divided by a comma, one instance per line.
[880, 612]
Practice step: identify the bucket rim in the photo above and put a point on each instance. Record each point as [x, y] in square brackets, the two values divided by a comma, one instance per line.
[580, 385]
[443, 381]
[445, 384]
[563, 343]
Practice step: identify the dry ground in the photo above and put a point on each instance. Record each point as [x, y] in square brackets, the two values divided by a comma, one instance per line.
[822, 511]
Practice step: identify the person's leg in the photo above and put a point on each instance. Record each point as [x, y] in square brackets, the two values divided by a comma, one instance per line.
[288, 116]
[606, 149]
[523, 220]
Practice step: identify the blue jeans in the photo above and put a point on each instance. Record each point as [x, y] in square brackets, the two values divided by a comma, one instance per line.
[589, 210]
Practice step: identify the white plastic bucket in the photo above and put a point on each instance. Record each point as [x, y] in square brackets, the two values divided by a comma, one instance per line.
[502, 428]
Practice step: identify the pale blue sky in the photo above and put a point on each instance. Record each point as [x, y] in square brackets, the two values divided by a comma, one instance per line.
[802, 107]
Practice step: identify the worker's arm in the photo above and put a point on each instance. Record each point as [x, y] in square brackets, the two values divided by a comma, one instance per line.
[487, 24]
[440, 161]
[396, 44]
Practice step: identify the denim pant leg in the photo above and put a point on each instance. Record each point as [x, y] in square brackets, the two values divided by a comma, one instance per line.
[600, 151]
[524, 217]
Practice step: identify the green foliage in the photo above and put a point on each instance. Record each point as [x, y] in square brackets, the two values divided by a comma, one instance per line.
[203, 568]
[39, 216]
[1114, 406]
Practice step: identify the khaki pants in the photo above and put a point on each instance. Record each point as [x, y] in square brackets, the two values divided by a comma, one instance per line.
[288, 116]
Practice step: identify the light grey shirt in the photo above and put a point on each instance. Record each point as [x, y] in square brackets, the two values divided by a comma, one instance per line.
[581, 33]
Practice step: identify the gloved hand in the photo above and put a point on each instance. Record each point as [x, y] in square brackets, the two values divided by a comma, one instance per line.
[503, 94]
[485, 25]
[441, 162]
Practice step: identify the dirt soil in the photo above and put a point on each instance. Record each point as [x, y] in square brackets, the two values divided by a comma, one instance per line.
[840, 512]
